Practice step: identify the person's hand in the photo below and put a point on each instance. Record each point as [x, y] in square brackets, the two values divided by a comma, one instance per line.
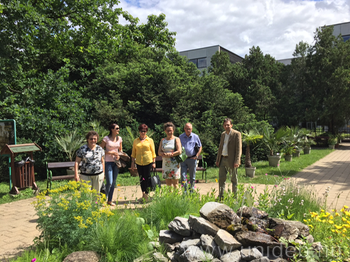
[117, 156]
[76, 178]
[217, 164]
[236, 165]
[154, 165]
[132, 167]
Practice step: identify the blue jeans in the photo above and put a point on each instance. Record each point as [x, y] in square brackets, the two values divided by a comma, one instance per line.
[111, 173]
[191, 164]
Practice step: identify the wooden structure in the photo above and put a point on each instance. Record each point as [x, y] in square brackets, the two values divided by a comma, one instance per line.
[22, 172]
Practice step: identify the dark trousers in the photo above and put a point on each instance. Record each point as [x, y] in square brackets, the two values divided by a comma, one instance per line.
[145, 177]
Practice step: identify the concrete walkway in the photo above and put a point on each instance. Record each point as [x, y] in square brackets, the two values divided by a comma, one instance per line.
[18, 219]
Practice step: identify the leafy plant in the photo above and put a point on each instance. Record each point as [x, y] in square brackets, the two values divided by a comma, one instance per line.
[96, 126]
[70, 143]
[70, 213]
[250, 137]
[274, 140]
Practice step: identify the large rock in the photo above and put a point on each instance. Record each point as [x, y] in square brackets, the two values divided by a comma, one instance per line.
[181, 226]
[186, 244]
[262, 259]
[194, 254]
[219, 214]
[249, 212]
[159, 257]
[202, 226]
[290, 230]
[260, 224]
[234, 256]
[226, 241]
[167, 236]
[249, 254]
[171, 247]
[82, 256]
[207, 208]
[251, 239]
[209, 246]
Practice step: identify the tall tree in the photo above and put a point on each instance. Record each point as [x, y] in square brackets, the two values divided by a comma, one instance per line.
[328, 79]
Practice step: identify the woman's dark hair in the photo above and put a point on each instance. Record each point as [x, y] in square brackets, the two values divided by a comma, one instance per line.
[143, 127]
[91, 133]
[169, 124]
[110, 127]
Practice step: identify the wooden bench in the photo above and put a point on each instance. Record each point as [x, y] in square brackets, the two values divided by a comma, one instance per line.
[56, 165]
[202, 168]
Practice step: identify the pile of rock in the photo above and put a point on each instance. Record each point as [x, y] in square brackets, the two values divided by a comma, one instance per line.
[222, 235]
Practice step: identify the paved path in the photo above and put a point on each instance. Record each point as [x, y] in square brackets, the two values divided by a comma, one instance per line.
[18, 219]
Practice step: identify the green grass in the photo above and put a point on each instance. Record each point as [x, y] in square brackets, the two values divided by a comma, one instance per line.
[275, 175]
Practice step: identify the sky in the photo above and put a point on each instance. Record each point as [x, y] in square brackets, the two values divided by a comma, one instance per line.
[276, 26]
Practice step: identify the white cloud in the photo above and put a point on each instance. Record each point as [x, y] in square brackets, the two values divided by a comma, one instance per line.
[276, 26]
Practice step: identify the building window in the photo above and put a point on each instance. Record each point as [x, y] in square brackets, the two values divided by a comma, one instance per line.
[194, 61]
[346, 37]
[199, 62]
[202, 62]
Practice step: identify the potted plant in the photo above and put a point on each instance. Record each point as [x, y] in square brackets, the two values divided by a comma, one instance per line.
[250, 138]
[332, 140]
[307, 142]
[288, 151]
[70, 143]
[273, 142]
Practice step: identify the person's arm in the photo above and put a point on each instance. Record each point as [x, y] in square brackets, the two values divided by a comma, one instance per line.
[217, 163]
[121, 147]
[103, 144]
[160, 151]
[76, 168]
[133, 155]
[199, 152]
[179, 148]
[103, 164]
[238, 143]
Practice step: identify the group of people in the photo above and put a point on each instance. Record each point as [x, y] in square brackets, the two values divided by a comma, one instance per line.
[98, 163]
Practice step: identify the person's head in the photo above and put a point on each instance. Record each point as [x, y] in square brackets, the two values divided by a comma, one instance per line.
[143, 128]
[227, 124]
[113, 128]
[92, 137]
[188, 129]
[169, 128]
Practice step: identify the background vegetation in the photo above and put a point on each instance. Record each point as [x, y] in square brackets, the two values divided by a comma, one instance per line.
[65, 64]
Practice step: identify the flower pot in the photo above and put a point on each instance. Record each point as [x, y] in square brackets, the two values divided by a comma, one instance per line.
[133, 173]
[307, 150]
[250, 171]
[274, 160]
[331, 146]
[288, 158]
[296, 153]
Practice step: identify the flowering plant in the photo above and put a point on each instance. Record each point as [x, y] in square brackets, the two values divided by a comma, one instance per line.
[67, 215]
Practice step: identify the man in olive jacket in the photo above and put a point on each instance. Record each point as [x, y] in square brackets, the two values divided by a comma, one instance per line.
[229, 156]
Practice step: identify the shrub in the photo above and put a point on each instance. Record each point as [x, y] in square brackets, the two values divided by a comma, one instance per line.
[69, 214]
[333, 231]
[120, 238]
[290, 200]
